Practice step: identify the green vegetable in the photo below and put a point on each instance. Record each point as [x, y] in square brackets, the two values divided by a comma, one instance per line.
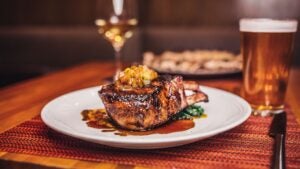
[189, 113]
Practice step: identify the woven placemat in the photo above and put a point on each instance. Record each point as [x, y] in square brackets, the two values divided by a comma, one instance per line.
[246, 146]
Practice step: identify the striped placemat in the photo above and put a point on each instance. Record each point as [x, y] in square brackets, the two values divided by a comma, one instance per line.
[246, 146]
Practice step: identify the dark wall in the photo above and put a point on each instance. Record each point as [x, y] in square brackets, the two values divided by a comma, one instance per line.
[151, 12]
[214, 12]
[47, 12]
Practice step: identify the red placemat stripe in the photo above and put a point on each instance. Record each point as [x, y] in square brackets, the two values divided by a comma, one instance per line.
[246, 146]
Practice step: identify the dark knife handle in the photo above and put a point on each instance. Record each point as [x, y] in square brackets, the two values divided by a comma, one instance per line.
[279, 159]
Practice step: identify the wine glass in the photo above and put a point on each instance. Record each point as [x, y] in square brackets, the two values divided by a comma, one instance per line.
[116, 21]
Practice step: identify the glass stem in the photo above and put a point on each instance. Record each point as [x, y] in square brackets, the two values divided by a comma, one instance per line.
[118, 62]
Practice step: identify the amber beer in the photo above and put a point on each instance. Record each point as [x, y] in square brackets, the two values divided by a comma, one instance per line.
[266, 46]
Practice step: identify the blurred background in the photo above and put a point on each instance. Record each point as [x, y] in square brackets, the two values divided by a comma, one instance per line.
[41, 36]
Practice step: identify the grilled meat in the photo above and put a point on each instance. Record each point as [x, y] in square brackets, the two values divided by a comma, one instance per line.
[149, 106]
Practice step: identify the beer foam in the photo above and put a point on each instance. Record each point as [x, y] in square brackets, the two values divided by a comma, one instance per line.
[268, 25]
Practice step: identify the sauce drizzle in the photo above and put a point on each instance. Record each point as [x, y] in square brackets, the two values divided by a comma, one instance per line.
[97, 118]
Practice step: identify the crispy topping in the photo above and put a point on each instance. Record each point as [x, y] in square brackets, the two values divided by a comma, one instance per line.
[136, 76]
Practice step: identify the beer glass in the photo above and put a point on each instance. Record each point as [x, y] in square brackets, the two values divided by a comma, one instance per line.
[266, 46]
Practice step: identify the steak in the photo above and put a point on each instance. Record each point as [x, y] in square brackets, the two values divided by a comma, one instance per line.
[150, 106]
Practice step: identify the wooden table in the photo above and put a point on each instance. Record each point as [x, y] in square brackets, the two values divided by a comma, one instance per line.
[23, 101]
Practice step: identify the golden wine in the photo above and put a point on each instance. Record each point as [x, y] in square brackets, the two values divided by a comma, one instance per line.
[116, 32]
[267, 53]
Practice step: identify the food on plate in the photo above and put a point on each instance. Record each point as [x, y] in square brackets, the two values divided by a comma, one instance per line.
[189, 113]
[141, 100]
[193, 62]
[98, 118]
[135, 76]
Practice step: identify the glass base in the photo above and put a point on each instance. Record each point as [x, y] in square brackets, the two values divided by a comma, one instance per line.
[266, 110]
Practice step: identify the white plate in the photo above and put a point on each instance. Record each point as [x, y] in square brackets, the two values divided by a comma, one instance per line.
[224, 111]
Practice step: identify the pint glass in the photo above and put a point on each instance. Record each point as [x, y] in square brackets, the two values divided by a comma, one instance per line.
[266, 46]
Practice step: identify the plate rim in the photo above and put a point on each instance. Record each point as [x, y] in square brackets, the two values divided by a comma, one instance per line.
[138, 141]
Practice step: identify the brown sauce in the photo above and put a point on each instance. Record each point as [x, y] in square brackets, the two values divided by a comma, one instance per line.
[98, 119]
